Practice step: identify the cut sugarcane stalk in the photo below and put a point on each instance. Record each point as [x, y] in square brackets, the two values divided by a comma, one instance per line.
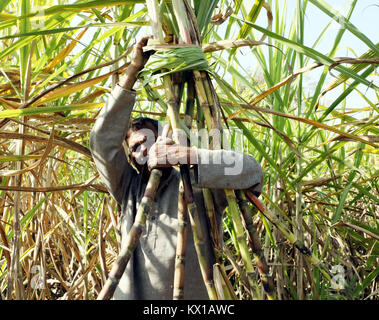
[181, 246]
[134, 235]
[202, 81]
[255, 245]
[205, 260]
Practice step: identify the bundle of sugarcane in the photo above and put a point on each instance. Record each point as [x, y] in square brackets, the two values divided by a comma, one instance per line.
[174, 58]
[183, 54]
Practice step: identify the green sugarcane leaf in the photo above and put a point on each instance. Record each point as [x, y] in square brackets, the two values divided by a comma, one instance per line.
[370, 278]
[41, 110]
[61, 30]
[49, 24]
[25, 50]
[251, 17]
[204, 11]
[312, 54]
[19, 158]
[3, 4]
[77, 7]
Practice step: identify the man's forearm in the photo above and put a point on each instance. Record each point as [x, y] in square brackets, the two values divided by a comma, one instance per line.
[191, 153]
[228, 169]
[129, 78]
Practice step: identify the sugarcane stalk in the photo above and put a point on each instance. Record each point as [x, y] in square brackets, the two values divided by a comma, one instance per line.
[134, 235]
[202, 98]
[223, 286]
[203, 87]
[255, 245]
[262, 267]
[202, 246]
[214, 230]
[211, 213]
[240, 235]
[182, 204]
[213, 103]
[187, 28]
[205, 95]
[156, 23]
[190, 103]
[208, 200]
[181, 246]
[228, 292]
[289, 235]
[178, 293]
[200, 239]
[207, 103]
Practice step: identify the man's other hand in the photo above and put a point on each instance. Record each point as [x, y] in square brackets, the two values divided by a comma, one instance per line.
[166, 153]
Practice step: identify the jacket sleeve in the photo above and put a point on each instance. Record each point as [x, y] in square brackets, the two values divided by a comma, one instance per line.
[106, 139]
[228, 169]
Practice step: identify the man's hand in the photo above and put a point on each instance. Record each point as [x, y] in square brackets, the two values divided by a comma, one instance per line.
[166, 153]
[139, 57]
[138, 62]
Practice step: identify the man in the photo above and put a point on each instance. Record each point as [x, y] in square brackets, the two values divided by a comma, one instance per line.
[150, 272]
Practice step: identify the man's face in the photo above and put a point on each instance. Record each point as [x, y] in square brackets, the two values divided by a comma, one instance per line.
[139, 142]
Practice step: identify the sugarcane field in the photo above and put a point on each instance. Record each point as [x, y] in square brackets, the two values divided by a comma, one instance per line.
[189, 150]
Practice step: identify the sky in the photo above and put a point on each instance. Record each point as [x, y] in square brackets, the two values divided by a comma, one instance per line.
[365, 18]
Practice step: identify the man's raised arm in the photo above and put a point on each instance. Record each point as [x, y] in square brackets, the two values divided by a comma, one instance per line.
[110, 129]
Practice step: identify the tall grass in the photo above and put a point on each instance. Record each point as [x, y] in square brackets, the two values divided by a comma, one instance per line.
[59, 228]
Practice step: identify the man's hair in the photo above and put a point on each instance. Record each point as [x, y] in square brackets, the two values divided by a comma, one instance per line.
[141, 123]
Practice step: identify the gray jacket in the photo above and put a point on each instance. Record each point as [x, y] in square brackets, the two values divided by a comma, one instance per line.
[150, 272]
